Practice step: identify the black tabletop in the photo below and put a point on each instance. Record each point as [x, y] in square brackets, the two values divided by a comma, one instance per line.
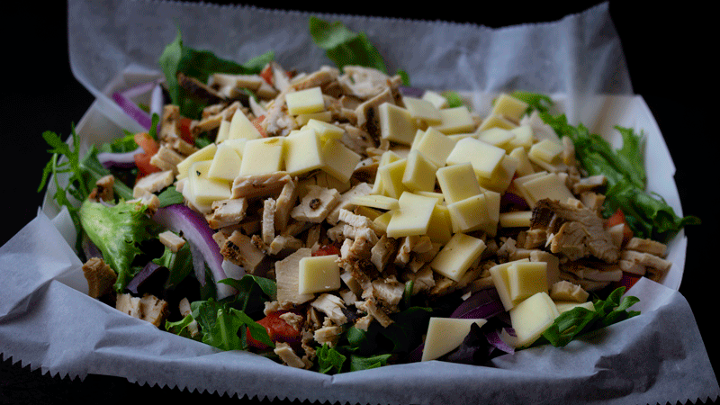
[668, 51]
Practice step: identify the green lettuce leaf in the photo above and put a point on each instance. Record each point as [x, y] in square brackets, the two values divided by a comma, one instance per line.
[118, 231]
[330, 360]
[225, 327]
[345, 47]
[178, 263]
[199, 64]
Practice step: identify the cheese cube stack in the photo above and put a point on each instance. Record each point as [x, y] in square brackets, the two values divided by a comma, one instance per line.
[445, 335]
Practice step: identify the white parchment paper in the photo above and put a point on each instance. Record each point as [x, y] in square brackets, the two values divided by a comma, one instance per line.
[48, 321]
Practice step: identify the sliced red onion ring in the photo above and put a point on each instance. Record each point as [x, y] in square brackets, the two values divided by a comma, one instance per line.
[124, 160]
[132, 110]
[193, 227]
[482, 304]
[125, 100]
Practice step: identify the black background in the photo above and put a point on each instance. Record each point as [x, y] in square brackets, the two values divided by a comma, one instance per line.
[669, 52]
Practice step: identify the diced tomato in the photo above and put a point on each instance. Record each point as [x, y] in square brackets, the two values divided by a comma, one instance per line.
[327, 250]
[278, 330]
[619, 218]
[257, 123]
[267, 74]
[628, 280]
[142, 161]
[185, 132]
[147, 143]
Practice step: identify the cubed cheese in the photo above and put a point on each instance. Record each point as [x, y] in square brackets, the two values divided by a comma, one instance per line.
[262, 156]
[419, 174]
[455, 120]
[501, 280]
[484, 157]
[434, 145]
[339, 161]
[531, 318]
[412, 216]
[496, 121]
[318, 274]
[302, 152]
[396, 124]
[509, 107]
[445, 335]
[457, 256]
[204, 189]
[242, 128]
[305, 101]
[423, 110]
[435, 98]
[458, 182]
[206, 153]
[225, 164]
[526, 279]
[391, 176]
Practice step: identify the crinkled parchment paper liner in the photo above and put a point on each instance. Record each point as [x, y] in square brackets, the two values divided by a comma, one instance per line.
[48, 322]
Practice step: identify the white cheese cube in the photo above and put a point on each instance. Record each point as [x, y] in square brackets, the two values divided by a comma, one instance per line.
[419, 174]
[305, 101]
[223, 131]
[457, 182]
[206, 153]
[376, 201]
[455, 120]
[496, 136]
[457, 256]
[423, 110]
[509, 107]
[496, 121]
[440, 227]
[302, 152]
[445, 335]
[470, 214]
[204, 189]
[524, 166]
[412, 216]
[338, 160]
[241, 127]
[318, 274]
[501, 280]
[564, 306]
[435, 146]
[396, 124]
[502, 176]
[391, 176]
[550, 185]
[323, 116]
[325, 130]
[484, 157]
[262, 156]
[531, 317]
[523, 137]
[225, 164]
[526, 279]
[515, 219]
[435, 98]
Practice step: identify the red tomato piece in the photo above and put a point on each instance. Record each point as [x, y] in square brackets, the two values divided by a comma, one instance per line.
[619, 218]
[267, 74]
[278, 330]
[142, 161]
[257, 123]
[628, 280]
[327, 250]
[185, 132]
[147, 143]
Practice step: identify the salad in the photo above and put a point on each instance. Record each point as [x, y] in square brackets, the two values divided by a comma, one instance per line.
[340, 219]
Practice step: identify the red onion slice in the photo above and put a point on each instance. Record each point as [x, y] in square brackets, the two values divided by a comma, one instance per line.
[193, 227]
[482, 304]
[124, 160]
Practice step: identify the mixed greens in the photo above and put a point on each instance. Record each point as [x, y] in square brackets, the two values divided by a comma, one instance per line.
[126, 232]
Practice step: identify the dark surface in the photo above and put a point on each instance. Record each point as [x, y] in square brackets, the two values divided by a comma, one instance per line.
[665, 65]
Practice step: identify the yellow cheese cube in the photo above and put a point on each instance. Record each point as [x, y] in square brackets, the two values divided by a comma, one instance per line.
[396, 124]
[445, 335]
[323, 116]
[225, 164]
[440, 198]
[237, 144]
[412, 216]
[318, 274]
[531, 317]
[223, 131]
[515, 219]
[241, 127]
[423, 110]
[391, 175]
[419, 174]
[435, 98]
[550, 185]
[383, 220]
[524, 166]
[496, 121]
[325, 130]
[455, 120]
[440, 227]
[388, 157]
[262, 156]
[503, 175]
[302, 152]
[523, 137]
[509, 107]
[305, 101]
[435, 146]
[375, 201]
[470, 214]
[546, 151]
[204, 189]
[501, 280]
[484, 157]
[496, 136]
[206, 153]
[458, 182]
[526, 279]
[457, 256]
